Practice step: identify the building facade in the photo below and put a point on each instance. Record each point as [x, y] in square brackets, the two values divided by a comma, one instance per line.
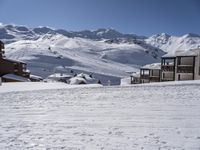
[181, 66]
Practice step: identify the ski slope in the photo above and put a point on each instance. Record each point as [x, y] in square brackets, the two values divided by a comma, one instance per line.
[52, 53]
[150, 116]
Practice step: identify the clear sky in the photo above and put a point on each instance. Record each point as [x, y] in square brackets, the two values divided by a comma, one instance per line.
[142, 17]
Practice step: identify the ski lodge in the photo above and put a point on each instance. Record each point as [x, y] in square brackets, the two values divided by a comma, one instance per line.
[12, 70]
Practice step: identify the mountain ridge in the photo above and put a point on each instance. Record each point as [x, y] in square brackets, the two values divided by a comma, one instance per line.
[106, 53]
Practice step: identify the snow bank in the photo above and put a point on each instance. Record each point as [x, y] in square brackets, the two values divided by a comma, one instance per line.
[125, 81]
[32, 86]
[77, 80]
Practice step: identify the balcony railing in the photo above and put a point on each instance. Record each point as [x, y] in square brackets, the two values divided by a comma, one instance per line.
[144, 76]
[168, 68]
[168, 79]
[154, 78]
[185, 69]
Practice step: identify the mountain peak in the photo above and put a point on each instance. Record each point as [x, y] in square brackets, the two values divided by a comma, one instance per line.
[191, 35]
[164, 35]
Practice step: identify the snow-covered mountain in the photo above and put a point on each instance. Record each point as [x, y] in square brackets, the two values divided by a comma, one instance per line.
[106, 53]
[170, 43]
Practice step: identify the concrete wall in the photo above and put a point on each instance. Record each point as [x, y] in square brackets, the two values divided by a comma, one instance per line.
[167, 75]
[154, 73]
[144, 81]
[184, 76]
[197, 71]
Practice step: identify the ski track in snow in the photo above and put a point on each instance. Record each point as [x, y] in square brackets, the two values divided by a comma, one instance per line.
[110, 118]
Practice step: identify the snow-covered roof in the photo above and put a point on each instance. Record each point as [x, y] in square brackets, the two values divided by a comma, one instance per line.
[16, 77]
[193, 52]
[60, 75]
[153, 66]
[135, 74]
[15, 61]
[35, 77]
[77, 80]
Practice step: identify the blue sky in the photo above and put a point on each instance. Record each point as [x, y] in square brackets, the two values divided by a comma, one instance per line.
[142, 17]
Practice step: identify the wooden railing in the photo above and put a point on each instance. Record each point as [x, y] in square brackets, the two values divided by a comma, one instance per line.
[185, 69]
[144, 76]
[167, 68]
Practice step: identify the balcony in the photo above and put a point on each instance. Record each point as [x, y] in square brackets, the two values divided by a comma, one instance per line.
[154, 79]
[168, 68]
[185, 69]
[144, 76]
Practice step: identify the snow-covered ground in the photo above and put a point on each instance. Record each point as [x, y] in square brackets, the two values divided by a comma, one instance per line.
[36, 86]
[150, 117]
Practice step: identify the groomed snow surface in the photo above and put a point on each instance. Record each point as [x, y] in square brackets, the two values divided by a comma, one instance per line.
[162, 116]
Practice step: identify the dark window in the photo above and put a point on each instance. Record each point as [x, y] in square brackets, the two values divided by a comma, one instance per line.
[179, 61]
[179, 77]
[199, 70]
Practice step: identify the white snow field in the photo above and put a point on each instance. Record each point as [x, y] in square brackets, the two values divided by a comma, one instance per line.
[164, 116]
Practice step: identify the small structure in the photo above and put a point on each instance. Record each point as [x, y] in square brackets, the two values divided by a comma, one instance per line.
[59, 77]
[35, 78]
[150, 73]
[181, 65]
[135, 78]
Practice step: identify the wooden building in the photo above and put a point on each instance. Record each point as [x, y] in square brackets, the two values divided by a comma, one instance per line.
[9, 66]
[150, 73]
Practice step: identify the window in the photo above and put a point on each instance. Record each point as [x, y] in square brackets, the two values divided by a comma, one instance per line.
[179, 60]
[179, 77]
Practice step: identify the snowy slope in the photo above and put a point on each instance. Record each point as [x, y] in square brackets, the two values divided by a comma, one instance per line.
[38, 86]
[53, 51]
[153, 117]
[170, 43]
